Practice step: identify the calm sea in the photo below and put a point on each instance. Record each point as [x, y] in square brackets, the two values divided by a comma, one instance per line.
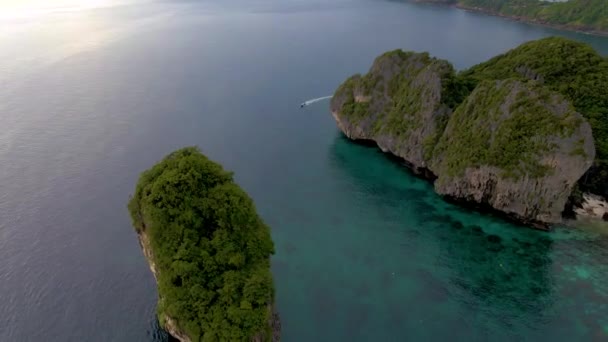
[364, 251]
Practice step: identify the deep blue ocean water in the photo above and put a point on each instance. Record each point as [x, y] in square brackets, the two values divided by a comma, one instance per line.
[364, 250]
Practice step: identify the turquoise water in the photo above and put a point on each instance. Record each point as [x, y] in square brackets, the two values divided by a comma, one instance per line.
[364, 250]
[398, 263]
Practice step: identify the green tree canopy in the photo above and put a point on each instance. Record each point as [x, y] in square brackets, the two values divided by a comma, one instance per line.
[571, 68]
[210, 248]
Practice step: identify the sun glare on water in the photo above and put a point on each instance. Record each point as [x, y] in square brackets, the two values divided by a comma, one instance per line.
[32, 8]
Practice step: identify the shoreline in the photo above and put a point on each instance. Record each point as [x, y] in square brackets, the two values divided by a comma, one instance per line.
[169, 324]
[428, 176]
[521, 19]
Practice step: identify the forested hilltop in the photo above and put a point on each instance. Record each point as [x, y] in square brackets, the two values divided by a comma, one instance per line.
[523, 133]
[208, 249]
[571, 68]
[584, 15]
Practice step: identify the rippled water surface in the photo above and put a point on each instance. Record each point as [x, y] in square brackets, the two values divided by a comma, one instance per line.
[365, 251]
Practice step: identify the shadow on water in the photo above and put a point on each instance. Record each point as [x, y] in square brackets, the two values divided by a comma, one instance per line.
[504, 278]
[497, 272]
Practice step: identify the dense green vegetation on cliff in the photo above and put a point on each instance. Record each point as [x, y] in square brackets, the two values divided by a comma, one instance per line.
[479, 134]
[403, 82]
[518, 133]
[571, 68]
[576, 14]
[210, 248]
[354, 109]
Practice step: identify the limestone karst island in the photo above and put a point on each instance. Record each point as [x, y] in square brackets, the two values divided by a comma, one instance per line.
[522, 134]
[208, 250]
[580, 15]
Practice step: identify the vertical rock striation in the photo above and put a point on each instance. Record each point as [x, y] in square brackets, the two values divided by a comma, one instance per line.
[510, 145]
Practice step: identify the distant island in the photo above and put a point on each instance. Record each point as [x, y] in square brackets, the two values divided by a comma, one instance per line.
[208, 250]
[524, 134]
[580, 15]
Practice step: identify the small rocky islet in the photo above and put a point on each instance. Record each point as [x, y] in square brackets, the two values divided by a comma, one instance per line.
[524, 134]
[208, 249]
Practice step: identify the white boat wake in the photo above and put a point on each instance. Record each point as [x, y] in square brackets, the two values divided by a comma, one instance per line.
[309, 102]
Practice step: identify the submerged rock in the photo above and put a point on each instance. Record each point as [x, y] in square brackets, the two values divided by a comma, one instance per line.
[494, 238]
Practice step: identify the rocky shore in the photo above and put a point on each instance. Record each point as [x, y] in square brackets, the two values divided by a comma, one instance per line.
[523, 19]
[593, 206]
[170, 325]
[512, 146]
[208, 250]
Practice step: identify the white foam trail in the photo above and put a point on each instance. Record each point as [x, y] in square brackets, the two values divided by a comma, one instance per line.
[309, 102]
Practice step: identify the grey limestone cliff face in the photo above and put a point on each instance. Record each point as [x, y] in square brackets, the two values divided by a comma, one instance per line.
[512, 146]
[516, 147]
[398, 104]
